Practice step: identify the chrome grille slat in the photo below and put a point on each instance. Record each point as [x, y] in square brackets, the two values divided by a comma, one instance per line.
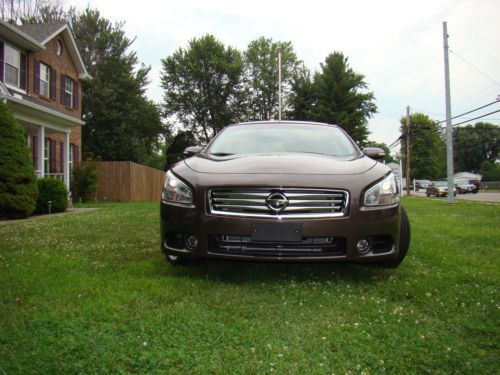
[302, 203]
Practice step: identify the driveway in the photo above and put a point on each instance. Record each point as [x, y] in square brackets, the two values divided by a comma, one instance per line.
[479, 197]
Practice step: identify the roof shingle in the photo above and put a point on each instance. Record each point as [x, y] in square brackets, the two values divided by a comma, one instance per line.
[41, 31]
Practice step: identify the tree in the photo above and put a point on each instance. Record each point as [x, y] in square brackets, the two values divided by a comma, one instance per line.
[175, 151]
[388, 157]
[121, 123]
[302, 95]
[490, 171]
[32, 11]
[473, 144]
[18, 191]
[427, 147]
[340, 97]
[261, 76]
[202, 86]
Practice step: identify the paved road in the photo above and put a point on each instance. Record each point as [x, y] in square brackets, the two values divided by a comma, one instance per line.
[479, 197]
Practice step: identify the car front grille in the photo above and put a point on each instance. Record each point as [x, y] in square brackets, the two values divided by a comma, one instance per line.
[300, 203]
[308, 246]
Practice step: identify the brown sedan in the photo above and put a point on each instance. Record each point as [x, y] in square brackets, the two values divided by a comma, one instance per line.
[283, 191]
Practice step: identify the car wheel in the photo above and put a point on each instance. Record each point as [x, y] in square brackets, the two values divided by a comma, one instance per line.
[404, 242]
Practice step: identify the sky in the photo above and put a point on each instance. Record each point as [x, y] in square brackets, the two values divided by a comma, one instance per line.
[397, 45]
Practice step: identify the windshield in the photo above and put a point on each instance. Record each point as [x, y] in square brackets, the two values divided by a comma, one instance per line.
[441, 184]
[283, 138]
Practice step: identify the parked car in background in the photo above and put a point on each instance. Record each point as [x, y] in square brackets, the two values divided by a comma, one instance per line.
[283, 191]
[439, 189]
[464, 187]
[422, 184]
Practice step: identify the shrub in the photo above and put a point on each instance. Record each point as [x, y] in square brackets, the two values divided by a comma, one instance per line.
[53, 190]
[17, 176]
[85, 178]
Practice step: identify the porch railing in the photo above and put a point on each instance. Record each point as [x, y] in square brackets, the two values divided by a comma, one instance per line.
[59, 176]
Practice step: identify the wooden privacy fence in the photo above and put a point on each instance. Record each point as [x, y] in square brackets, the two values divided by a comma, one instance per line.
[127, 181]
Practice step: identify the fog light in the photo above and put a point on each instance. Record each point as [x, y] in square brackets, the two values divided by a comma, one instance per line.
[363, 246]
[192, 242]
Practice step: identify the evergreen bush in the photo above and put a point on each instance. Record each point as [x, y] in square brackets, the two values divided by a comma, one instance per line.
[18, 189]
[85, 178]
[54, 191]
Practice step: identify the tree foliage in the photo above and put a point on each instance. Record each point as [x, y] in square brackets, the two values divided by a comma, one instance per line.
[121, 123]
[473, 144]
[337, 95]
[18, 190]
[261, 77]
[202, 86]
[32, 11]
[427, 147]
[490, 171]
[179, 143]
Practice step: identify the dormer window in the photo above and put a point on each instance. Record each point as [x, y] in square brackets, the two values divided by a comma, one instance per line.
[12, 65]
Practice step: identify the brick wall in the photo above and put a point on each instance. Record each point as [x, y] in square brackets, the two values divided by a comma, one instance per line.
[62, 64]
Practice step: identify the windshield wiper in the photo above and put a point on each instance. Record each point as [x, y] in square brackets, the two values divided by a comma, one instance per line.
[221, 153]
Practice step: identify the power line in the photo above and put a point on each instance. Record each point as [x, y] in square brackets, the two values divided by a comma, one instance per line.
[475, 68]
[472, 110]
[475, 118]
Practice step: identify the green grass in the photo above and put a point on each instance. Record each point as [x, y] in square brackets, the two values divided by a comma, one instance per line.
[91, 293]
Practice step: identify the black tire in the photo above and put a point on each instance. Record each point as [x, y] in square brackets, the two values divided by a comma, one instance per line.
[404, 242]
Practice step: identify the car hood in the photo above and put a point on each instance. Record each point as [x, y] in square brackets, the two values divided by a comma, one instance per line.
[307, 164]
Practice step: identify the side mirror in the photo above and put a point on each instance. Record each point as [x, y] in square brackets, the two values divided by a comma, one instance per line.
[374, 152]
[192, 150]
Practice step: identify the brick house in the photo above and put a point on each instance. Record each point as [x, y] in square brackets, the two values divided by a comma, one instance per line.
[40, 74]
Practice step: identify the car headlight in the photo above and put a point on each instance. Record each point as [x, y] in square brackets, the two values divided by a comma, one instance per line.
[174, 190]
[383, 193]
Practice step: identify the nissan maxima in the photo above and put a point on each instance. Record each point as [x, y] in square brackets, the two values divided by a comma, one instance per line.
[283, 191]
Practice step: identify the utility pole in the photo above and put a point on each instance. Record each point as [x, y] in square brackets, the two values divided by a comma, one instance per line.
[408, 124]
[279, 85]
[449, 129]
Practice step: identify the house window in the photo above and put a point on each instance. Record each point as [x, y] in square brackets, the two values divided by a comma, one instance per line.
[68, 92]
[12, 65]
[44, 80]
[70, 159]
[46, 156]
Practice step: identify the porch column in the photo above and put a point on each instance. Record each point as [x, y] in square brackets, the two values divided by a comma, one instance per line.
[66, 170]
[40, 145]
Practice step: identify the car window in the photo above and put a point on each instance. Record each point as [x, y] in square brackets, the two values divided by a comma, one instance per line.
[283, 138]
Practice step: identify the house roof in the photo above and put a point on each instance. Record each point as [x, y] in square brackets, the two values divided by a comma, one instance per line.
[19, 37]
[44, 33]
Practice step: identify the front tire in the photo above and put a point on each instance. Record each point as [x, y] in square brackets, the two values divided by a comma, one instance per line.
[404, 242]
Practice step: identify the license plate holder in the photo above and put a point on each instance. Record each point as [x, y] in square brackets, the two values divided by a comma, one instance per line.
[276, 232]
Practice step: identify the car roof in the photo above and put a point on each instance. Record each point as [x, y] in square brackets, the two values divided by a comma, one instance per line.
[276, 122]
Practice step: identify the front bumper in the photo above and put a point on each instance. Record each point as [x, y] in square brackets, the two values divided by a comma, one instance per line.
[380, 226]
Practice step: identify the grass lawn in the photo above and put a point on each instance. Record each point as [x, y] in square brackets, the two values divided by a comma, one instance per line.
[91, 293]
